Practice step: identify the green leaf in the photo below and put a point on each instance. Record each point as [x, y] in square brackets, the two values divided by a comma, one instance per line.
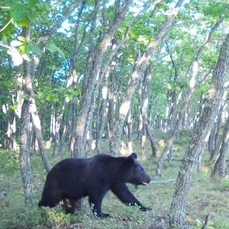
[13, 107]
[42, 39]
[20, 38]
[17, 6]
[32, 3]
[53, 48]
[68, 95]
[18, 15]
[61, 52]
[8, 31]
[25, 23]
[36, 49]
[32, 16]
[4, 40]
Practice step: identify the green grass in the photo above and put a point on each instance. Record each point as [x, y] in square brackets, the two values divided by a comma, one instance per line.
[207, 195]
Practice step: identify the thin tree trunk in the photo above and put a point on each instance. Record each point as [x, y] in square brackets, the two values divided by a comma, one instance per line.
[193, 152]
[73, 127]
[211, 141]
[188, 94]
[220, 164]
[152, 142]
[130, 125]
[33, 108]
[57, 130]
[52, 127]
[134, 81]
[103, 114]
[24, 152]
[217, 142]
[65, 130]
[97, 63]
[89, 137]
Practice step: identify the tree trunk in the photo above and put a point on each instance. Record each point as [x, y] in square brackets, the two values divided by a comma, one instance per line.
[137, 74]
[57, 130]
[112, 105]
[188, 94]
[24, 152]
[65, 129]
[73, 127]
[152, 142]
[97, 63]
[103, 114]
[130, 125]
[220, 164]
[193, 152]
[217, 142]
[32, 103]
[211, 141]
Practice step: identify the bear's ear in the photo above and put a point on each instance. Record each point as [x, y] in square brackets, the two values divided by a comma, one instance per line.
[130, 159]
[133, 155]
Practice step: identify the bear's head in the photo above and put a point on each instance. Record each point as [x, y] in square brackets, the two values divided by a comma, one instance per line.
[135, 173]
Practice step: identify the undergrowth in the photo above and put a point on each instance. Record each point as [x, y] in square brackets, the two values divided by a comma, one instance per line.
[208, 196]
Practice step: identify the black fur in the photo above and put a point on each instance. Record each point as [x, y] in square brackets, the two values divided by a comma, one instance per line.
[72, 179]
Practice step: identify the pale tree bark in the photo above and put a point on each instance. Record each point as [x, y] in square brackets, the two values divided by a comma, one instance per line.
[74, 114]
[220, 164]
[72, 82]
[152, 142]
[24, 131]
[112, 104]
[32, 103]
[144, 105]
[187, 96]
[5, 110]
[193, 152]
[57, 129]
[112, 84]
[137, 74]
[87, 96]
[216, 143]
[86, 82]
[211, 142]
[52, 126]
[65, 130]
[29, 108]
[74, 77]
[24, 152]
[103, 114]
[109, 67]
[130, 127]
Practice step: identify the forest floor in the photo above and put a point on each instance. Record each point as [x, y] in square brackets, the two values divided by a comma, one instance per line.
[208, 195]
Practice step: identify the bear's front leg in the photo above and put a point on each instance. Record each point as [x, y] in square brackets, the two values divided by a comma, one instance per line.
[95, 201]
[124, 194]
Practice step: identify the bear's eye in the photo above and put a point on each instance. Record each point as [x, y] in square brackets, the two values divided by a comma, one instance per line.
[142, 170]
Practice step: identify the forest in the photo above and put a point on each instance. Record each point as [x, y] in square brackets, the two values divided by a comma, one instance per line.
[85, 77]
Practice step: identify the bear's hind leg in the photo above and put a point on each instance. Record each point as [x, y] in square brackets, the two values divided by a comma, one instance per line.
[69, 205]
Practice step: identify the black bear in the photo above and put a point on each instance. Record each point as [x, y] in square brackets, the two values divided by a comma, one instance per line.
[74, 178]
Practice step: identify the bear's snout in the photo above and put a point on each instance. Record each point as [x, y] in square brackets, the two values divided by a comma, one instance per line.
[146, 179]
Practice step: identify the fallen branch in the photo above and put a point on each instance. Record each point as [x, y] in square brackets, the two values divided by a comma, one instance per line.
[163, 181]
[197, 200]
